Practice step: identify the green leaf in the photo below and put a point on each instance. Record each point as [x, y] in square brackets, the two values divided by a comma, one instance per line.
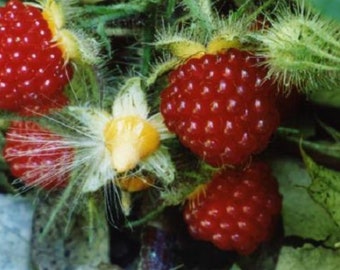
[328, 97]
[302, 216]
[325, 187]
[85, 85]
[308, 257]
[330, 8]
[328, 149]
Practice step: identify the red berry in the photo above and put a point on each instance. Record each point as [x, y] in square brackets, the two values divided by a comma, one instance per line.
[45, 105]
[237, 210]
[37, 156]
[221, 106]
[32, 68]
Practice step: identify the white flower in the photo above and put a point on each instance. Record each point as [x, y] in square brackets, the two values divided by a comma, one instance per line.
[129, 139]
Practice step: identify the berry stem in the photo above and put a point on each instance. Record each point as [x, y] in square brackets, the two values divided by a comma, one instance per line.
[146, 218]
[66, 195]
[95, 214]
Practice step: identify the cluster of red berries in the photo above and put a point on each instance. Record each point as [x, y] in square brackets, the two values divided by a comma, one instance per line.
[33, 73]
[223, 108]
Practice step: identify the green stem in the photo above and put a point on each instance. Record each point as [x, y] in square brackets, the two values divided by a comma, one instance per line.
[118, 10]
[294, 136]
[54, 214]
[150, 216]
[148, 36]
[102, 14]
[119, 32]
[91, 209]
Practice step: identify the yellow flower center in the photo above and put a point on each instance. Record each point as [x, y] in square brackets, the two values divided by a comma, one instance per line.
[130, 139]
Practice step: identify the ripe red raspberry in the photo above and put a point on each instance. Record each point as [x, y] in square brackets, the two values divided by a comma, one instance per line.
[221, 106]
[32, 68]
[37, 156]
[237, 210]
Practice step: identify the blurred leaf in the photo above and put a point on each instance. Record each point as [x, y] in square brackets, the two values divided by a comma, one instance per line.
[71, 250]
[302, 216]
[3, 164]
[5, 185]
[308, 257]
[235, 267]
[325, 187]
[331, 131]
[330, 8]
[330, 98]
[15, 232]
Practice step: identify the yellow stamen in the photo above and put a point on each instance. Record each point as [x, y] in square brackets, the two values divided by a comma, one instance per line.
[129, 139]
[196, 194]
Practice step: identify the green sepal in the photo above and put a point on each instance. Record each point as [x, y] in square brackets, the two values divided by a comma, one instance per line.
[181, 47]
